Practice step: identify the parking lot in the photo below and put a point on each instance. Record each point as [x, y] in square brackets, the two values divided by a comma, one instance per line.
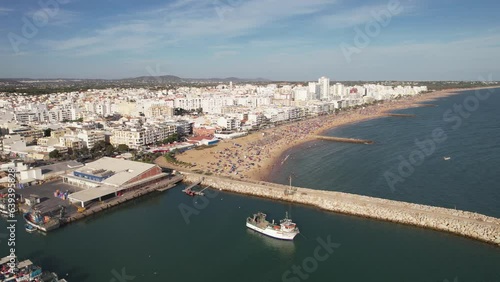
[48, 202]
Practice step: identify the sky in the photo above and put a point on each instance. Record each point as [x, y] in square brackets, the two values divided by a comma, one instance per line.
[279, 40]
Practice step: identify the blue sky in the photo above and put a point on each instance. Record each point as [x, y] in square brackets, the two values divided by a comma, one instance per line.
[282, 40]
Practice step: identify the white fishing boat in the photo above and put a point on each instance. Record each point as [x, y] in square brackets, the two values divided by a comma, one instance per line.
[286, 230]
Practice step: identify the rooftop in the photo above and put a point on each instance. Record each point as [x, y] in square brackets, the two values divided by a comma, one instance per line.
[62, 166]
[123, 170]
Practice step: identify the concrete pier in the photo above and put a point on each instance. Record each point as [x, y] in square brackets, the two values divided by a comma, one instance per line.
[343, 140]
[468, 224]
[160, 186]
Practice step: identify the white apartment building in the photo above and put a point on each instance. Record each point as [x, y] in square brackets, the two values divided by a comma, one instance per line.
[159, 111]
[26, 117]
[47, 141]
[255, 119]
[324, 84]
[188, 103]
[338, 90]
[301, 94]
[314, 91]
[90, 137]
[70, 141]
[228, 123]
[135, 138]
[13, 143]
[132, 137]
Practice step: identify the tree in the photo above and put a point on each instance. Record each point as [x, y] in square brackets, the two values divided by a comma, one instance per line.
[122, 148]
[109, 150]
[54, 154]
[99, 146]
[46, 132]
[171, 138]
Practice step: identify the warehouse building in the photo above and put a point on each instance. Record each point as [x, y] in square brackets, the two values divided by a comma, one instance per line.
[110, 177]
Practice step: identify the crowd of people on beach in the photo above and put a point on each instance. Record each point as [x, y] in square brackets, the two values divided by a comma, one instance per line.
[243, 158]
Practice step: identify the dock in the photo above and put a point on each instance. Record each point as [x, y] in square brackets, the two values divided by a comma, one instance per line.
[343, 139]
[160, 186]
[165, 188]
[189, 190]
[192, 186]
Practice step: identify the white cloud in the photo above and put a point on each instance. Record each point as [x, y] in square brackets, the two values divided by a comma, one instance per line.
[59, 17]
[353, 17]
[4, 11]
[73, 43]
[460, 59]
[189, 19]
[364, 14]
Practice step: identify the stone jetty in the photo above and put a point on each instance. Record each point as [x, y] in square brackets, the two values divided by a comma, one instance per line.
[425, 105]
[343, 139]
[468, 224]
[401, 115]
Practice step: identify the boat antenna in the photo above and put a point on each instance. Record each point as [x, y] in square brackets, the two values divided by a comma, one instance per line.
[291, 192]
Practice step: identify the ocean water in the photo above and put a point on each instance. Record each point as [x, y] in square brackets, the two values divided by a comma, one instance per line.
[151, 239]
[469, 180]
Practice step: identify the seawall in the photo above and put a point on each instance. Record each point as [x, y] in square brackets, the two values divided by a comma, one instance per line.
[468, 224]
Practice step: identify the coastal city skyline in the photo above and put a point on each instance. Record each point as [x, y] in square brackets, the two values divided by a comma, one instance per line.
[249, 140]
[203, 39]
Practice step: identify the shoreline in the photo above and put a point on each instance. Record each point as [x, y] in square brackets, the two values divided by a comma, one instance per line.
[254, 156]
[354, 116]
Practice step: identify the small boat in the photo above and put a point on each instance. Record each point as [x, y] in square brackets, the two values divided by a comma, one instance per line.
[193, 193]
[12, 270]
[446, 158]
[29, 228]
[5, 209]
[284, 160]
[42, 223]
[286, 230]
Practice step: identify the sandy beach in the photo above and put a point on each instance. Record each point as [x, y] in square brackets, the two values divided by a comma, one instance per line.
[253, 156]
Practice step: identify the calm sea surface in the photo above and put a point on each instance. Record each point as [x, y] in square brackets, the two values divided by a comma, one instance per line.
[150, 240]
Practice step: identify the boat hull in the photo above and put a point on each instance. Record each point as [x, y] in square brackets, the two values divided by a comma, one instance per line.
[45, 227]
[278, 234]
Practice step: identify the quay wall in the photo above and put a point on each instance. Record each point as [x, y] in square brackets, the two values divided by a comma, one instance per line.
[468, 224]
[160, 186]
